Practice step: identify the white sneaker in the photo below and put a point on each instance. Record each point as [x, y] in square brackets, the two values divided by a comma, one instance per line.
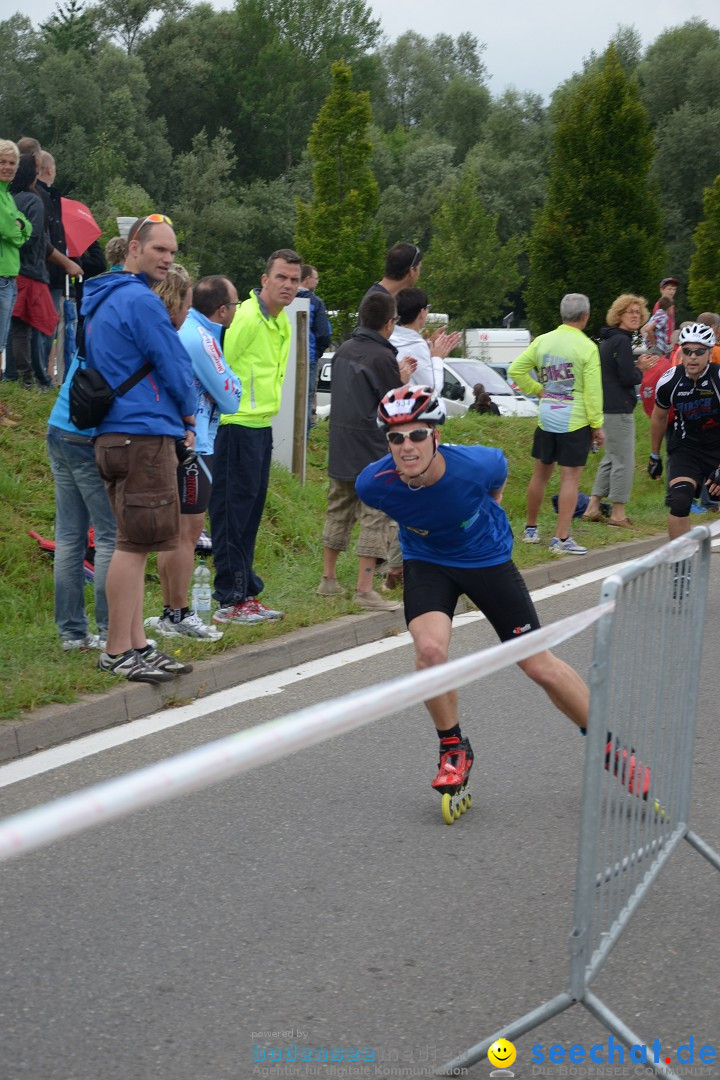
[566, 547]
[530, 535]
[191, 626]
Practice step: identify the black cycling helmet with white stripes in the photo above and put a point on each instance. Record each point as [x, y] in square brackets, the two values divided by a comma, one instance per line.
[697, 334]
[406, 404]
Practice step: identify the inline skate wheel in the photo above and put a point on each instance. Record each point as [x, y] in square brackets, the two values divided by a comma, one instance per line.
[446, 809]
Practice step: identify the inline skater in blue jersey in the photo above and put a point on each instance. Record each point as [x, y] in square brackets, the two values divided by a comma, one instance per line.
[456, 539]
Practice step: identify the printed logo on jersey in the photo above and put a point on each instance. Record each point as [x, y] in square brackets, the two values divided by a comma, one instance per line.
[470, 521]
[212, 349]
[420, 532]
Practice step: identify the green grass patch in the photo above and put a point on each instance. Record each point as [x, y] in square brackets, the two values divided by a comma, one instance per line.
[34, 671]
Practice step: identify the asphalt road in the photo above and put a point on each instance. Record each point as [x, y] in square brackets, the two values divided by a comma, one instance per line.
[322, 902]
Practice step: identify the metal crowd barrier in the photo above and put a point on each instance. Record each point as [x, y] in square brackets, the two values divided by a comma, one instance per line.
[643, 707]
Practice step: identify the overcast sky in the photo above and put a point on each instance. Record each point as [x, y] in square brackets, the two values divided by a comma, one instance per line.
[531, 45]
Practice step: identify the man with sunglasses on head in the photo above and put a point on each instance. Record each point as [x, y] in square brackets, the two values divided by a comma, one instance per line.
[693, 439]
[403, 264]
[456, 539]
[127, 326]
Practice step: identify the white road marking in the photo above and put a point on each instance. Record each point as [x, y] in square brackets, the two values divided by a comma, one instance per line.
[55, 758]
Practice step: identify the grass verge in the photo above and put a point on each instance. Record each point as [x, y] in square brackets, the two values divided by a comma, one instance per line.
[34, 671]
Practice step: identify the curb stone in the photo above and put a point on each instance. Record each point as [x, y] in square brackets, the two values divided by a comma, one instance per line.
[57, 724]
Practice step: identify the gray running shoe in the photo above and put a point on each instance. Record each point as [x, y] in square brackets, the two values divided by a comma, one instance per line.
[566, 547]
[90, 641]
[131, 666]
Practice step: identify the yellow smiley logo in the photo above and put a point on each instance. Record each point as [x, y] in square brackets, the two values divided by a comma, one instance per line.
[502, 1053]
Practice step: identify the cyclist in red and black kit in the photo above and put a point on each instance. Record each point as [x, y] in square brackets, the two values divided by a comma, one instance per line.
[693, 439]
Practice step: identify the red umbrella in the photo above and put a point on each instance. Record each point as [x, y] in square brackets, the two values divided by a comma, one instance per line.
[81, 228]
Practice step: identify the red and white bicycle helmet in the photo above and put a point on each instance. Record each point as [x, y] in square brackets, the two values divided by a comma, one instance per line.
[408, 403]
[697, 334]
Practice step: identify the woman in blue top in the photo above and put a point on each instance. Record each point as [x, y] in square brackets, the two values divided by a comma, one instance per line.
[456, 538]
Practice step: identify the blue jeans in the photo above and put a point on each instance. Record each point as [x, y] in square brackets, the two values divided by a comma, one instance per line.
[8, 295]
[241, 474]
[41, 348]
[81, 501]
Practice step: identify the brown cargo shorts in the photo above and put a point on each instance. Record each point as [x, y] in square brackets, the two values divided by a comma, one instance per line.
[140, 474]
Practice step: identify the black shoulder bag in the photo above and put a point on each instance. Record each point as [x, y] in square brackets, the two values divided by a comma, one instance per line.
[91, 395]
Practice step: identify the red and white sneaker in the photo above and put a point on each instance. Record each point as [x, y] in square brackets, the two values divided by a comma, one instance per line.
[253, 604]
[632, 773]
[237, 614]
[456, 761]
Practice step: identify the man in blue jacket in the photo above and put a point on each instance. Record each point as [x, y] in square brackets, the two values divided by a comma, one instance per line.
[319, 331]
[218, 390]
[127, 326]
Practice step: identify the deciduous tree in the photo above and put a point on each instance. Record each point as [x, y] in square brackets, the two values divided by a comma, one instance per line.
[704, 283]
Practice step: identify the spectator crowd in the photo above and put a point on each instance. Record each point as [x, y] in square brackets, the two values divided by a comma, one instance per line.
[199, 375]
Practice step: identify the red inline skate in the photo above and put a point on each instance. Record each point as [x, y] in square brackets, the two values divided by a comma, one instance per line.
[623, 764]
[452, 780]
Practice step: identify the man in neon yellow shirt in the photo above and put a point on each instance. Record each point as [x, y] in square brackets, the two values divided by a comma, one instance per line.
[256, 347]
[569, 384]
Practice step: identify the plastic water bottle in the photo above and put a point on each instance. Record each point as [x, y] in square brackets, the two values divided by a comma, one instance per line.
[202, 593]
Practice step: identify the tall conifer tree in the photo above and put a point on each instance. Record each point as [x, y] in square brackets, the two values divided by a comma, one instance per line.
[338, 231]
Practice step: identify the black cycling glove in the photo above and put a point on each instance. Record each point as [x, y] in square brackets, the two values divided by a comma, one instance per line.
[655, 466]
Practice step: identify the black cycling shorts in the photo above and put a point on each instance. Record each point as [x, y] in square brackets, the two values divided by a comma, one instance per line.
[688, 461]
[195, 485]
[499, 592]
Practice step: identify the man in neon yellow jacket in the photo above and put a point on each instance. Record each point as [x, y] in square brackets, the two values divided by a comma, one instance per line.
[569, 384]
[256, 347]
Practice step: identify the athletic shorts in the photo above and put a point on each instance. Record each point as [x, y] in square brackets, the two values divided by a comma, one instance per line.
[569, 448]
[499, 592]
[687, 461]
[140, 474]
[195, 485]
